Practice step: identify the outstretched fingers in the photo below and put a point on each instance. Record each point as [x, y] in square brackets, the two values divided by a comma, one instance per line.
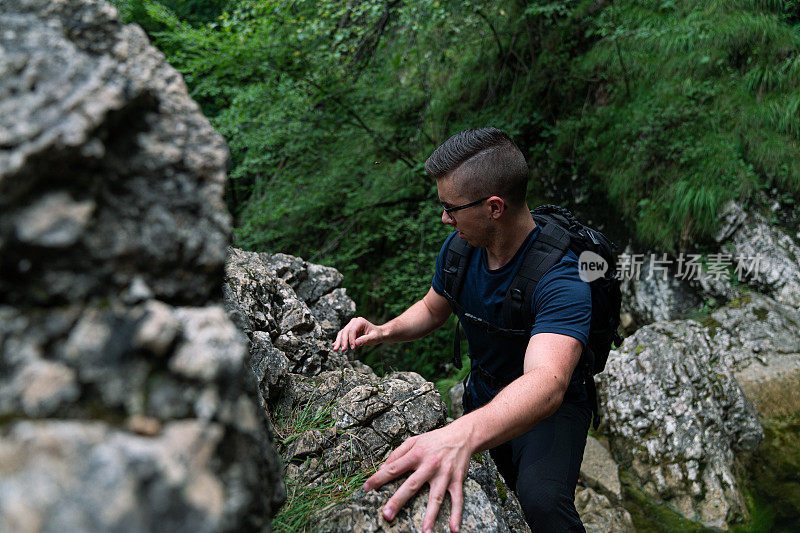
[401, 450]
[410, 487]
[395, 465]
[456, 490]
[337, 344]
[435, 499]
[352, 333]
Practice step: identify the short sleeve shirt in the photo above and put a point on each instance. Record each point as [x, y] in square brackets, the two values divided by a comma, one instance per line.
[561, 304]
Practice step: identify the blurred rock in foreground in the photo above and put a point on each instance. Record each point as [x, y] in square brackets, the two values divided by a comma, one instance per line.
[126, 401]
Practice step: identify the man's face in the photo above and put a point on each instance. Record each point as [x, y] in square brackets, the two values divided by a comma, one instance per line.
[471, 222]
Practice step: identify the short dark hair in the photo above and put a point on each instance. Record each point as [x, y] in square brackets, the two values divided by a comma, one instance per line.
[488, 162]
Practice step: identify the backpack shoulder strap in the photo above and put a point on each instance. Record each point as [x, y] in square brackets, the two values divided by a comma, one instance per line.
[455, 266]
[547, 250]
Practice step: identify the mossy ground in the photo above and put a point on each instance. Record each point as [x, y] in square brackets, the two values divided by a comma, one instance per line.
[773, 479]
[651, 517]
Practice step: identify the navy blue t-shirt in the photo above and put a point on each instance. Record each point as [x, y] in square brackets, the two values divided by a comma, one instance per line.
[561, 303]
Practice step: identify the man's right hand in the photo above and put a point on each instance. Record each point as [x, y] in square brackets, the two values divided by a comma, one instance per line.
[358, 332]
[417, 321]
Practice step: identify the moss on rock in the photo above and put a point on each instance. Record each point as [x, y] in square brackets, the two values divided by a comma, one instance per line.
[775, 472]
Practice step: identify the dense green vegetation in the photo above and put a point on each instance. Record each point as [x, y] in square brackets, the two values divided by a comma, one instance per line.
[643, 116]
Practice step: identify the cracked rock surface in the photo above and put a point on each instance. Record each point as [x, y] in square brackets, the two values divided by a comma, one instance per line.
[749, 234]
[678, 419]
[656, 295]
[335, 420]
[286, 335]
[109, 173]
[600, 515]
[362, 418]
[126, 401]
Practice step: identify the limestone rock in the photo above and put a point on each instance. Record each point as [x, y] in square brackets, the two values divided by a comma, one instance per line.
[333, 311]
[357, 420]
[126, 402]
[269, 365]
[78, 476]
[757, 338]
[599, 470]
[655, 295]
[82, 363]
[749, 234]
[276, 319]
[209, 349]
[456, 393]
[599, 515]
[108, 170]
[308, 280]
[677, 419]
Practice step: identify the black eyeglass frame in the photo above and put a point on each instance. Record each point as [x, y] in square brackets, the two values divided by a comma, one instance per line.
[450, 210]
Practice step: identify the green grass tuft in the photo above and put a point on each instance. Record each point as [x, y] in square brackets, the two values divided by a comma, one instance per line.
[305, 503]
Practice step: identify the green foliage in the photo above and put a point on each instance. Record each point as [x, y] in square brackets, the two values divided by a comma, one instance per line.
[673, 135]
[656, 112]
[289, 426]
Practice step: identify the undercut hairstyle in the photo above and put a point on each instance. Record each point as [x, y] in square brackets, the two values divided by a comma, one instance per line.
[483, 162]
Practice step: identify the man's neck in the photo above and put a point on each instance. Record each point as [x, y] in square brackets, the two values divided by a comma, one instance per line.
[508, 239]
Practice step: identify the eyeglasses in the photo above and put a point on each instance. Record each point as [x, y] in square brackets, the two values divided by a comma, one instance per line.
[451, 210]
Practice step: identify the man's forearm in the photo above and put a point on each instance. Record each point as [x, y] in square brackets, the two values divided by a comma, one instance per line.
[415, 322]
[517, 408]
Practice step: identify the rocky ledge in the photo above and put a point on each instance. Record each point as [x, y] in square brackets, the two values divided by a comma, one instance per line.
[336, 421]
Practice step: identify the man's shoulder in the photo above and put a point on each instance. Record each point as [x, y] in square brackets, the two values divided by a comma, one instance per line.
[564, 275]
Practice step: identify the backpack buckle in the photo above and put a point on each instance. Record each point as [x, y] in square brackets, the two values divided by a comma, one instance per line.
[516, 295]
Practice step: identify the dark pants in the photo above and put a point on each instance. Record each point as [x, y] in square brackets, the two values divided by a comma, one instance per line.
[543, 465]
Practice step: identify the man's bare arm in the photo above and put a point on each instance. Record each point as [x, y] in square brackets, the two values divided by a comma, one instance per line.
[549, 362]
[417, 321]
[441, 457]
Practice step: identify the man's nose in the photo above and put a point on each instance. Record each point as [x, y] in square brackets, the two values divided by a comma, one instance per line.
[447, 219]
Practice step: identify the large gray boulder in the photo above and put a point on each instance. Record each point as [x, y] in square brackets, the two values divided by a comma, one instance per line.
[757, 338]
[109, 174]
[678, 419]
[762, 255]
[126, 401]
[650, 295]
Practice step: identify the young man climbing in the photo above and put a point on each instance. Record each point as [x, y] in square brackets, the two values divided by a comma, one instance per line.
[526, 398]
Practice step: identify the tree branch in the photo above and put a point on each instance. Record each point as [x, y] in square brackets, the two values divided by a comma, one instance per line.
[500, 51]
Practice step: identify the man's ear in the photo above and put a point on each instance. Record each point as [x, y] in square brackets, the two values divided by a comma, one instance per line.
[497, 206]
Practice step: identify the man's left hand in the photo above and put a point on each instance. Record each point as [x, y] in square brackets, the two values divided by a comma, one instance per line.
[439, 458]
